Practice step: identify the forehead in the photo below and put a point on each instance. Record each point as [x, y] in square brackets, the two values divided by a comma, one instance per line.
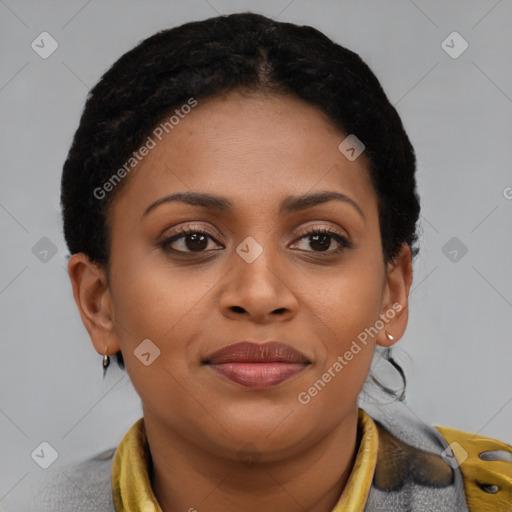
[252, 147]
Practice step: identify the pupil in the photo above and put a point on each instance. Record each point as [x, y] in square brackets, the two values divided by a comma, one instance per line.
[323, 239]
[198, 242]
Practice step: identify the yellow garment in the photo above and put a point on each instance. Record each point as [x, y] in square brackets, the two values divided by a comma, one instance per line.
[132, 487]
[477, 472]
[358, 485]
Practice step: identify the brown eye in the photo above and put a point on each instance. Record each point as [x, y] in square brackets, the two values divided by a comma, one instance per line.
[188, 240]
[322, 239]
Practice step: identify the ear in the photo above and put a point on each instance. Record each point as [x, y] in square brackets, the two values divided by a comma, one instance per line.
[395, 305]
[94, 302]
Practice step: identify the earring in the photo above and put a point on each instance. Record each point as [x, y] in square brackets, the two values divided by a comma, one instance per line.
[106, 362]
[389, 336]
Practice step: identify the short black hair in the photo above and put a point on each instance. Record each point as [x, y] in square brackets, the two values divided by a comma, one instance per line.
[211, 57]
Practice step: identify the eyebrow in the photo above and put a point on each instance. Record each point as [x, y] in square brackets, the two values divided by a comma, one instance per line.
[288, 205]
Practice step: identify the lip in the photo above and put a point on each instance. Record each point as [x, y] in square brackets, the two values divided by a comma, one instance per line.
[258, 366]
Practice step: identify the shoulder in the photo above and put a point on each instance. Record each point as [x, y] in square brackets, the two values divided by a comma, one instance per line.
[486, 466]
[425, 467]
[81, 487]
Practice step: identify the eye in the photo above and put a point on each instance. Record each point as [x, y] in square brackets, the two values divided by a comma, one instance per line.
[321, 240]
[188, 239]
[196, 240]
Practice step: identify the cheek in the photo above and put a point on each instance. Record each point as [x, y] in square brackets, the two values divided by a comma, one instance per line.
[156, 301]
[351, 298]
[353, 306]
[349, 310]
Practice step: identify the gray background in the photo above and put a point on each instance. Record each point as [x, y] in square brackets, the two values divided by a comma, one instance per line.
[457, 113]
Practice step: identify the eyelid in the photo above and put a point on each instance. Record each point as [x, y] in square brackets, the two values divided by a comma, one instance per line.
[341, 239]
[192, 228]
[312, 228]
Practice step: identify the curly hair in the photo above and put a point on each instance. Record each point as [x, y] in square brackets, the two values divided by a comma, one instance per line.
[205, 59]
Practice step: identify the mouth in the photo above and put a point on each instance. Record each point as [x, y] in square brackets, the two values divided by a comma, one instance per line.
[258, 366]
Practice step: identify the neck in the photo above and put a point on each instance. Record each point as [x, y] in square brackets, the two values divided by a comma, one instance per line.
[187, 477]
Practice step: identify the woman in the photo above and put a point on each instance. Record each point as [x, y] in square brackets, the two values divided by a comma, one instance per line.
[240, 205]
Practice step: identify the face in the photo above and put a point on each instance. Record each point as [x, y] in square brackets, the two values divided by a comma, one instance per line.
[259, 262]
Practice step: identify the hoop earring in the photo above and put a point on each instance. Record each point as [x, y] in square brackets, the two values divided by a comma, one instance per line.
[389, 336]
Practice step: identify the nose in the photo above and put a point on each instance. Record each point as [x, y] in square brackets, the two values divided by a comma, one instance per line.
[258, 291]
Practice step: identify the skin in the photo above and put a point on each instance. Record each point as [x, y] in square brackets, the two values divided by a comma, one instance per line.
[255, 150]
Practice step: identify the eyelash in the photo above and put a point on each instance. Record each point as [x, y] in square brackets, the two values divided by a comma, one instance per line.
[187, 231]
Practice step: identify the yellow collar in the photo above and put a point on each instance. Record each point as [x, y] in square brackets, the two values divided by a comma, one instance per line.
[131, 483]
